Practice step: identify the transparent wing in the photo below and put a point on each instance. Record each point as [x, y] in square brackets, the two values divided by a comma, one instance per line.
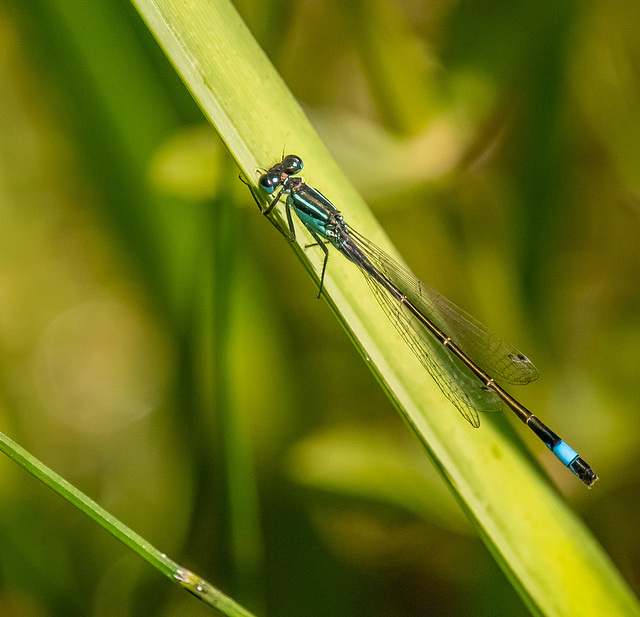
[465, 391]
[494, 356]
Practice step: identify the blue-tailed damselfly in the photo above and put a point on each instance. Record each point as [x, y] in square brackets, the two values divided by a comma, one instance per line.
[461, 355]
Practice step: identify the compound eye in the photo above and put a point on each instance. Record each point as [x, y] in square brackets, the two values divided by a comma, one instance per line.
[292, 164]
[269, 182]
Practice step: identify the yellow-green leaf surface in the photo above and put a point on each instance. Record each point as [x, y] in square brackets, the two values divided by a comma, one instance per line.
[545, 550]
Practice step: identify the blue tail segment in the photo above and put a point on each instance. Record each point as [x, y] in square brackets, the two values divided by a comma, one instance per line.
[563, 451]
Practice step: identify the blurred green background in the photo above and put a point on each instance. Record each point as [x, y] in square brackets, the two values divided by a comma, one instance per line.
[163, 350]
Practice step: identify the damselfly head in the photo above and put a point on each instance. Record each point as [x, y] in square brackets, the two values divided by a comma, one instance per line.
[270, 181]
[278, 174]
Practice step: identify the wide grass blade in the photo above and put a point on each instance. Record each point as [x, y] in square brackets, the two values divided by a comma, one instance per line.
[545, 550]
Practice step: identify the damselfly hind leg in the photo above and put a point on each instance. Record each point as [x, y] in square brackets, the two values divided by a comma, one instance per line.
[325, 250]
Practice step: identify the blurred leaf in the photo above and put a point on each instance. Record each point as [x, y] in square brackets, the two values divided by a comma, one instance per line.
[369, 466]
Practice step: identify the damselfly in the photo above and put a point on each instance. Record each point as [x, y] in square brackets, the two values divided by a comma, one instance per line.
[459, 353]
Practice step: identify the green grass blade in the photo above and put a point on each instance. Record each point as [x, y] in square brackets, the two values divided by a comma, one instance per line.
[545, 550]
[200, 588]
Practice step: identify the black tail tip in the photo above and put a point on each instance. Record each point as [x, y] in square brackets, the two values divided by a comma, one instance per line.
[584, 472]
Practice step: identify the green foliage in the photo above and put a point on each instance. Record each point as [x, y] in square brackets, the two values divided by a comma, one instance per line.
[163, 352]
